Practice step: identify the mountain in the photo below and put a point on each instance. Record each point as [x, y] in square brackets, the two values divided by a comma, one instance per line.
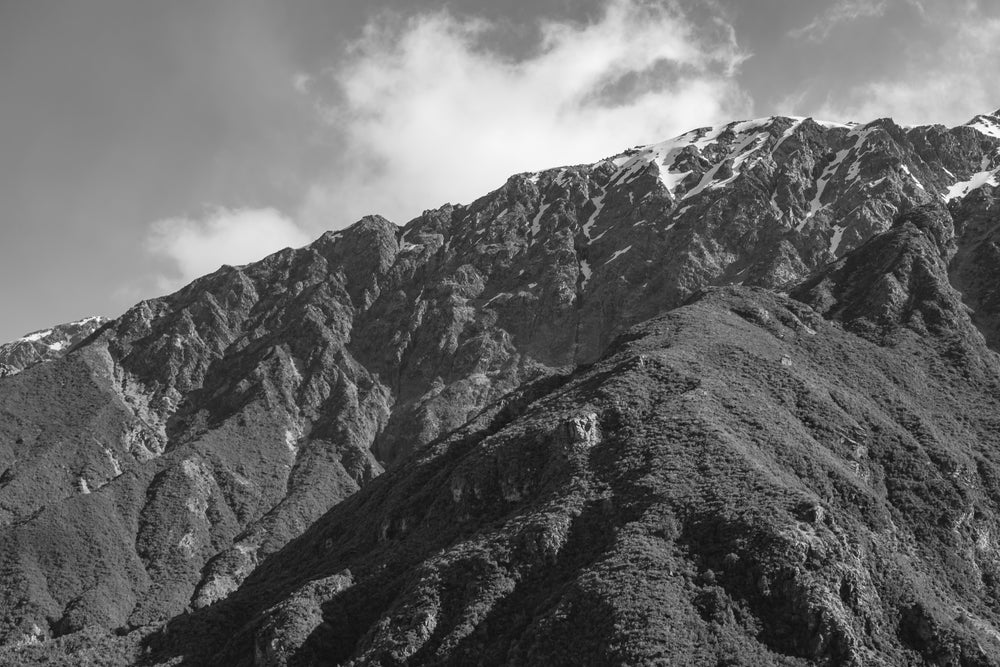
[727, 399]
[45, 345]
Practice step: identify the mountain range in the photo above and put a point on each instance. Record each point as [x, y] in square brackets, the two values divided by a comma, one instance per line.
[728, 399]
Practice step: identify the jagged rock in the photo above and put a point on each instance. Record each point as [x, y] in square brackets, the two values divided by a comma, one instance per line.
[582, 431]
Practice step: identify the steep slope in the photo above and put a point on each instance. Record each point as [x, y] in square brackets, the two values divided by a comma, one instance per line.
[45, 345]
[739, 481]
[150, 471]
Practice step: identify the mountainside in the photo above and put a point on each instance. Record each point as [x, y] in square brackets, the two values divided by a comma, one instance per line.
[731, 390]
[45, 345]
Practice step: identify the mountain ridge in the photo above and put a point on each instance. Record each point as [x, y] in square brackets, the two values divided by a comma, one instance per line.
[45, 344]
[195, 439]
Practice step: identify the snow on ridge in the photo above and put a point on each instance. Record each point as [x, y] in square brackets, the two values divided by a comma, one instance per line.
[985, 125]
[832, 124]
[38, 335]
[747, 125]
[744, 133]
[41, 335]
[789, 132]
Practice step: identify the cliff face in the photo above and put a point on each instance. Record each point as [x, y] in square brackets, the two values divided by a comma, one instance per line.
[610, 434]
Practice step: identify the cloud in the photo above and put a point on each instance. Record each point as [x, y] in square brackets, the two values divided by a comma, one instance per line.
[429, 111]
[300, 82]
[193, 247]
[947, 77]
[843, 11]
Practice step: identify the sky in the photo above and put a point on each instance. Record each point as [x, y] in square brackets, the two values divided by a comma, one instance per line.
[144, 143]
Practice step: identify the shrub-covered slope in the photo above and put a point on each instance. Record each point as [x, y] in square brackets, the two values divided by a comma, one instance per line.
[183, 447]
[739, 481]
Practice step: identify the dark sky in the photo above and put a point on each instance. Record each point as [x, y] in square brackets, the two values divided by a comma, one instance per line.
[143, 143]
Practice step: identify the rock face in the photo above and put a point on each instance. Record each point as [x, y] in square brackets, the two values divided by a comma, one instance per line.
[45, 345]
[731, 390]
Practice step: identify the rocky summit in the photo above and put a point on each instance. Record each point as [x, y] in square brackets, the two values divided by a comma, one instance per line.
[45, 345]
[728, 399]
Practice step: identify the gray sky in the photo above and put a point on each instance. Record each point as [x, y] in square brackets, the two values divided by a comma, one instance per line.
[144, 143]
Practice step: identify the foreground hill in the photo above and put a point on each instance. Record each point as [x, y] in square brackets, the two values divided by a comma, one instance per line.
[813, 474]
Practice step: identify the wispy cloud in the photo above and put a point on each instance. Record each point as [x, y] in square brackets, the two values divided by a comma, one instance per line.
[944, 80]
[193, 247]
[842, 11]
[430, 113]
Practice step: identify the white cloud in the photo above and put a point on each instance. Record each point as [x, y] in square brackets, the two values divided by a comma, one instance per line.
[946, 80]
[430, 113]
[196, 246]
[843, 11]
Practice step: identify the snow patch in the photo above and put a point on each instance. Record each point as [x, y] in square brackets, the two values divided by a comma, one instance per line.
[816, 205]
[536, 224]
[741, 155]
[835, 240]
[985, 125]
[38, 335]
[915, 180]
[494, 298]
[672, 179]
[598, 205]
[787, 133]
[978, 180]
[586, 272]
[618, 253]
